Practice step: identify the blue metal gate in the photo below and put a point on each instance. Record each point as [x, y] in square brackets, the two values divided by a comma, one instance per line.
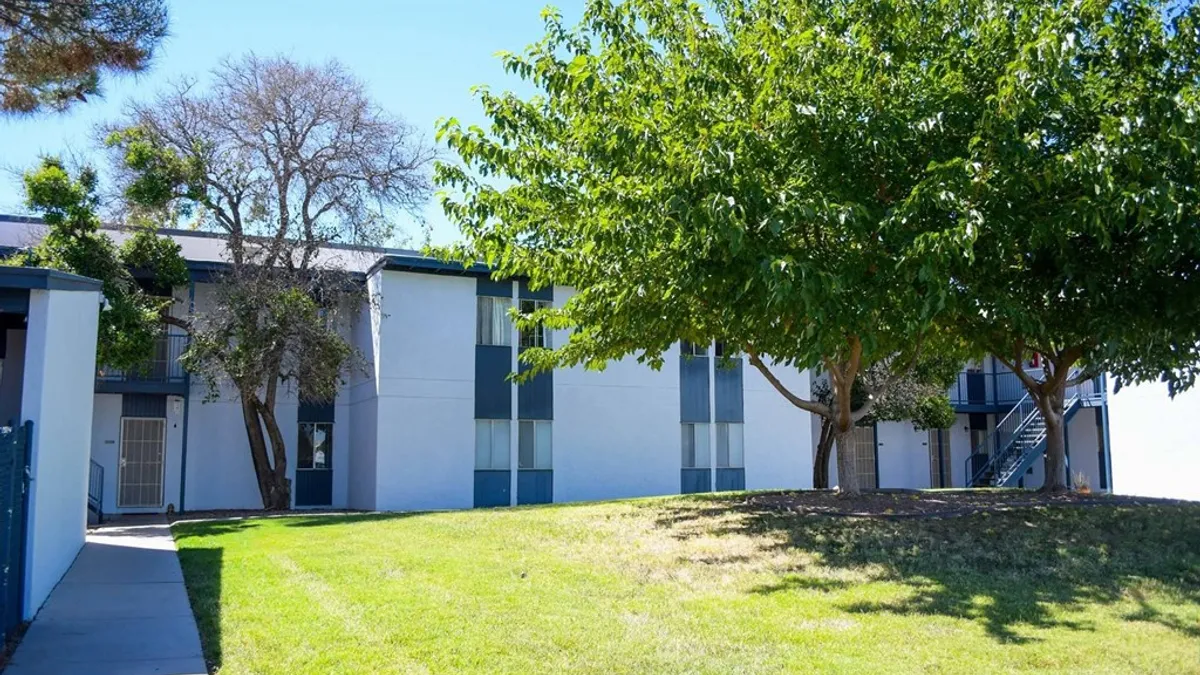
[14, 503]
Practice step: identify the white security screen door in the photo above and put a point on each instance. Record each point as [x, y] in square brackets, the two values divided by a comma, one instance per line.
[140, 478]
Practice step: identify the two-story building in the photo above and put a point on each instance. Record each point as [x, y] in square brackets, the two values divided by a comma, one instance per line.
[437, 423]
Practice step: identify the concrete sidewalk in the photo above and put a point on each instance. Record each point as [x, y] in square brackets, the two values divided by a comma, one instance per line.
[120, 610]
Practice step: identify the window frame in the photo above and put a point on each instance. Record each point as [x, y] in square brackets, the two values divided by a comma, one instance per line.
[725, 430]
[689, 349]
[539, 336]
[486, 326]
[312, 447]
[698, 430]
[505, 433]
[538, 427]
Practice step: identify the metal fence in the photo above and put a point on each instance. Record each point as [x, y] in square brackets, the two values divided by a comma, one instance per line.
[163, 367]
[14, 504]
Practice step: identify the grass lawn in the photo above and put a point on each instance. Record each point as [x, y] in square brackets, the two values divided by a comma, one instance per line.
[699, 584]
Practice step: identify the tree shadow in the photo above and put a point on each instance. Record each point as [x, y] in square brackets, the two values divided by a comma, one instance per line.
[202, 571]
[1009, 571]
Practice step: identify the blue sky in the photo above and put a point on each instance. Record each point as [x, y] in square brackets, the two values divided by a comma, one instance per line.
[419, 59]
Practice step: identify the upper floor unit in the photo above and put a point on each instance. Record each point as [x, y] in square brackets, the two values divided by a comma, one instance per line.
[990, 387]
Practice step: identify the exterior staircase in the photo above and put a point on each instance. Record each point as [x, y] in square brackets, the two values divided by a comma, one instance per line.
[1019, 439]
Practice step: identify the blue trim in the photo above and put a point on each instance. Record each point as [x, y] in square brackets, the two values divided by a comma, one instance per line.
[127, 387]
[314, 487]
[40, 278]
[187, 383]
[315, 412]
[14, 301]
[731, 479]
[1106, 477]
[527, 293]
[144, 405]
[493, 389]
[535, 486]
[693, 481]
[729, 398]
[496, 289]
[492, 487]
[693, 389]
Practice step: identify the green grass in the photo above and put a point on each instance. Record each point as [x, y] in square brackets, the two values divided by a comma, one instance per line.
[699, 585]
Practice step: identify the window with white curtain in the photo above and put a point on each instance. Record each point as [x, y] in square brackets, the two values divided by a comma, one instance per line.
[730, 453]
[534, 445]
[492, 444]
[492, 323]
[537, 336]
[695, 445]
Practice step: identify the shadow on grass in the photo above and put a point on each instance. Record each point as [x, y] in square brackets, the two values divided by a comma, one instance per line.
[1005, 570]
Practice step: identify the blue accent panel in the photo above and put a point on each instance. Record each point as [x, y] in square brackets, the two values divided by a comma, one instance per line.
[526, 293]
[731, 479]
[535, 398]
[535, 486]
[315, 412]
[695, 480]
[144, 388]
[729, 393]
[492, 487]
[500, 289]
[693, 389]
[143, 405]
[314, 487]
[493, 390]
[14, 300]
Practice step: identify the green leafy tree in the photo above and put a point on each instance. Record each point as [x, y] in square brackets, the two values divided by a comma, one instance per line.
[1082, 177]
[131, 318]
[918, 397]
[53, 52]
[283, 160]
[754, 172]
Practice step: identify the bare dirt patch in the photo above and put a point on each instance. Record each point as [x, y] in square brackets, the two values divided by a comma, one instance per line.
[929, 503]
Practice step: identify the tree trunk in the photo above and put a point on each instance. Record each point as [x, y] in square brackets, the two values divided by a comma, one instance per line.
[821, 458]
[272, 486]
[283, 488]
[847, 465]
[1051, 406]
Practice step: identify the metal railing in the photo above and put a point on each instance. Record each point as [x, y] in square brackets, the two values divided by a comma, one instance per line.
[1004, 388]
[1023, 427]
[163, 366]
[96, 489]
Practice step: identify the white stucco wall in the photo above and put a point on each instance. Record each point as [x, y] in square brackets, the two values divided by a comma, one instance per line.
[425, 367]
[903, 455]
[1155, 445]
[778, 435]
[616, 431]
[60, 371]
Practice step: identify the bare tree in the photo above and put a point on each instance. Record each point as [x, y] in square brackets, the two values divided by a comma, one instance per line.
[52, 52]
[283, 159]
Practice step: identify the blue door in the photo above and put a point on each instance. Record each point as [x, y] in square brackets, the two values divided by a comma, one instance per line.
[314, 465]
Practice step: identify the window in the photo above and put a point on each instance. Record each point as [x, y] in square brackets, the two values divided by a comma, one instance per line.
[315, 450]
[534, 445]
[730, 453]
[537, 336]
[692, 348]
[492, 444]
[492, 323]
[695, 446]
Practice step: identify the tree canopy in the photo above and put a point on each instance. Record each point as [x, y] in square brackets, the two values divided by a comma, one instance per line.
[1083, 171]
[54, 52]
[132, 317]
[759, 174]
[283, 160]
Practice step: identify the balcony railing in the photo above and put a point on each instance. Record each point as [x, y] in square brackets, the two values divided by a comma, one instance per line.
[162, 368]
[1004, 389]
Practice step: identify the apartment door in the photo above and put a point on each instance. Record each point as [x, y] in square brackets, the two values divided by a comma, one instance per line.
[140, 472]
[976, 385]
[314, 465]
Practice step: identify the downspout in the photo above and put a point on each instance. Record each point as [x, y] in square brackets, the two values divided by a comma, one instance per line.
[187, 400]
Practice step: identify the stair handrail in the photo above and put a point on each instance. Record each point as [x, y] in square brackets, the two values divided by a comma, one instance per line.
[95, 492]
[1001, 442]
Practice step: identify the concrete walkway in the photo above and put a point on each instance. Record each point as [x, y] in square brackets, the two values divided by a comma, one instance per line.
[120, 610]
